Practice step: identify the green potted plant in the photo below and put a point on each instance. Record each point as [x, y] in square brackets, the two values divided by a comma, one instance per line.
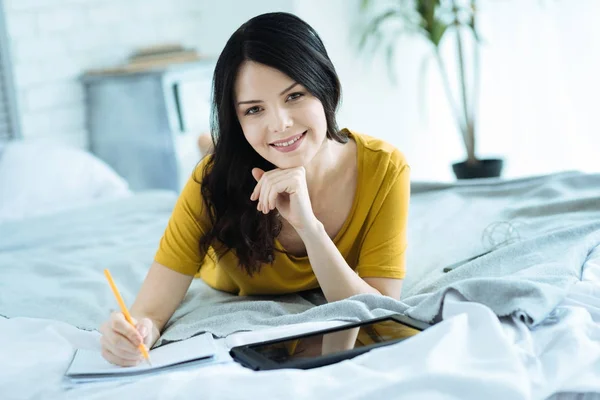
[435, 20]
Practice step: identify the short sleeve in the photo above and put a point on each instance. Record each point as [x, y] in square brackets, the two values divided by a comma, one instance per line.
[179, 247]
[382, 254]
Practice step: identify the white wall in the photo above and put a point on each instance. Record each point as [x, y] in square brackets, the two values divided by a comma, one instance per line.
[54, 41]
[538, 103]
[539, 73]
[373, 104]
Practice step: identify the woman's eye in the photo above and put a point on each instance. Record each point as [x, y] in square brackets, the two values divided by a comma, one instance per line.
[252, 110]
[295, 96]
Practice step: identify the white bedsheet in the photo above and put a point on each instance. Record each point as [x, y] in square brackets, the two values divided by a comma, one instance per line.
[470, 355]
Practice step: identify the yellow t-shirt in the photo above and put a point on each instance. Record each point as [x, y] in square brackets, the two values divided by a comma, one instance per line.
[372, 240]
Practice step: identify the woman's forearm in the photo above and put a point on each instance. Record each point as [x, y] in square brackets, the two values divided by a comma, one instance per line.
[337, 280]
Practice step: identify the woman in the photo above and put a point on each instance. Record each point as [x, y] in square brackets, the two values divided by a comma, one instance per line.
[286, 202]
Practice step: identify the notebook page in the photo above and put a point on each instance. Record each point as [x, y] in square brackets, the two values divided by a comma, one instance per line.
[91, 362]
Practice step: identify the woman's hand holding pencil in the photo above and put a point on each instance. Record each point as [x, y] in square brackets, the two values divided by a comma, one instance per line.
[124, 339]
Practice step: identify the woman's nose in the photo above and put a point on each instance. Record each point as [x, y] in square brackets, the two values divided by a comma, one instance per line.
[279, 121]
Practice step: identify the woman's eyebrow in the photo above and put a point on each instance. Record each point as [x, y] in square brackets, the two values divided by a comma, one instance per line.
[289, 88]
[248, 102]
[239, 103]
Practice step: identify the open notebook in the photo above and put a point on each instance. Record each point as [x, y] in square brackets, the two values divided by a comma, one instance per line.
[90, 366]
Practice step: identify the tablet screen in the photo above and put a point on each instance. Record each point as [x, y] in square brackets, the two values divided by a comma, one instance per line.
[334, 342]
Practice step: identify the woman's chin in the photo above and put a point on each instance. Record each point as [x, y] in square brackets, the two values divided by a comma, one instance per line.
[286, 161]
[287, 164]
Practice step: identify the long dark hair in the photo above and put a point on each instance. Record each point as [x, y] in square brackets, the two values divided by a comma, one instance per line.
[284, 42]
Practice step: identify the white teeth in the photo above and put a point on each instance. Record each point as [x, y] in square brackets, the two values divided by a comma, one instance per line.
[287, 143]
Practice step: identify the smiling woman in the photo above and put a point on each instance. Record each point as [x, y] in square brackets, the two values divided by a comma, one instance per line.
[287, 201]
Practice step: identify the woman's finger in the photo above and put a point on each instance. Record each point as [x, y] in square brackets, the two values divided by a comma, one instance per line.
[275, 190]
[263, 188]
[283, 183]
[120, 345]
[105, 344]
[272, 199]
[117, 360]
[120, 325]
[144, 327]
[257, 174]
[264, 191]
[256, 191]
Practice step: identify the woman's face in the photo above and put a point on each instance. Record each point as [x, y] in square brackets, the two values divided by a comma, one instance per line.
[281, 120]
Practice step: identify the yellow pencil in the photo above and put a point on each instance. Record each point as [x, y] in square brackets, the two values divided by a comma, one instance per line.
[125, 312]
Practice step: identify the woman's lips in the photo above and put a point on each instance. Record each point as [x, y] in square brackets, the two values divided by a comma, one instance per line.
[291, 147]
[287, 139]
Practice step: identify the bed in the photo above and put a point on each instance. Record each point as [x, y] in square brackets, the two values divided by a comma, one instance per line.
[509, 270]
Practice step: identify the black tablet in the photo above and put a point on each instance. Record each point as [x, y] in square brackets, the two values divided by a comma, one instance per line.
[328, 346]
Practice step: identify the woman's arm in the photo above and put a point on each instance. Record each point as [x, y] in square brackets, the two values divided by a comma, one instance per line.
[161, 293]
[383, 248]
[337, 280]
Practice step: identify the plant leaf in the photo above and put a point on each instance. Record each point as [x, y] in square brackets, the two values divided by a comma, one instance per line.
[375, 25]
[471, 24]
[438, 29]
[426, 9]
[426, 12]
[389, 58]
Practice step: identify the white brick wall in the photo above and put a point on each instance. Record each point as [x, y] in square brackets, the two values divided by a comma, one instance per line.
[53, 42]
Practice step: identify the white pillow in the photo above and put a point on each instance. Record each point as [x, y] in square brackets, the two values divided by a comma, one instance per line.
[39, 178]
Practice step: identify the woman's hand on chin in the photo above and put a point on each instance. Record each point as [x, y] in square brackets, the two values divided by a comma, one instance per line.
[286, 191]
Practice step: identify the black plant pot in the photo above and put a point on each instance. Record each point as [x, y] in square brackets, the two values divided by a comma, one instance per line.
[489, 168]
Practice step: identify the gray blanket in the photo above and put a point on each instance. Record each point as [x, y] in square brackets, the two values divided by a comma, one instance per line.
[538, 231]
[207, 310]
[542, 230]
